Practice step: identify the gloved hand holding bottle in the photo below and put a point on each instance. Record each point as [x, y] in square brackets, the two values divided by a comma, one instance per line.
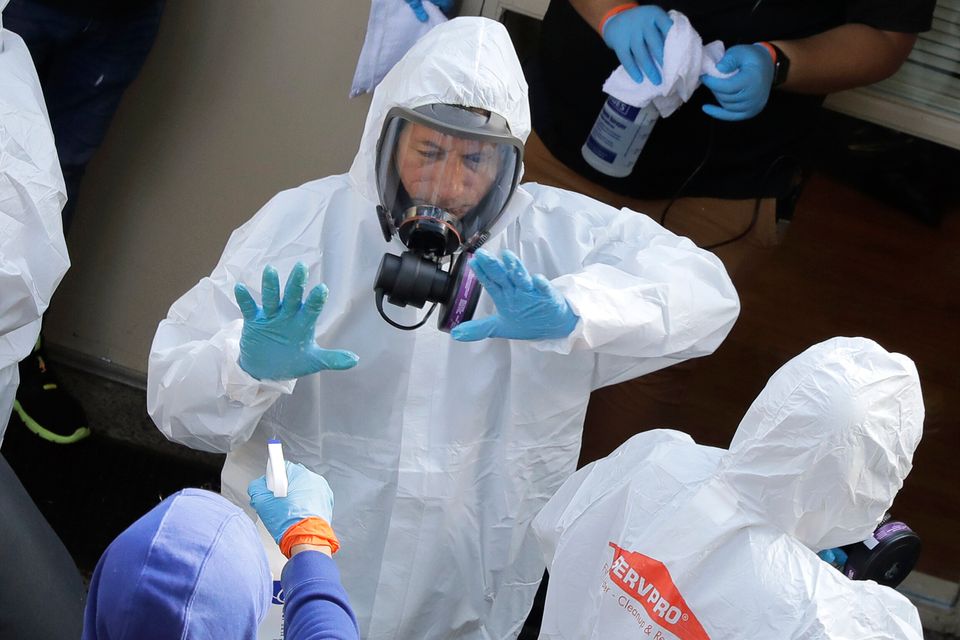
[744, 94]
[637, 35]
[277, 341]
[528, 308]
[421, 13]
[302, 517]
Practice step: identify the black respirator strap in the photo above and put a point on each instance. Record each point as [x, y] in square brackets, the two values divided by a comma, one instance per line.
[392, 323]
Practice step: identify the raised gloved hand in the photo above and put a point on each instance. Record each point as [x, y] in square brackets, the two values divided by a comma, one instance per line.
[637, 37]
[308, 496]
[744, 94]
[527, 308]
[277, 341]
[421, 13]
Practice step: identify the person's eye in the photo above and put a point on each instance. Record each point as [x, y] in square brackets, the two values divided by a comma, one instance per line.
[473, 160]
[430, 154]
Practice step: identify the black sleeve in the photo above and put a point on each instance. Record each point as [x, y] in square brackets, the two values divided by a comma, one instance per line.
[905, 16]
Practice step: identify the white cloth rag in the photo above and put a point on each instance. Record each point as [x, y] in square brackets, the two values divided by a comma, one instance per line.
[391, 31]
[685, 59]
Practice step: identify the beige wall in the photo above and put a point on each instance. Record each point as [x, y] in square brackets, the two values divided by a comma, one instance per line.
[238, 100]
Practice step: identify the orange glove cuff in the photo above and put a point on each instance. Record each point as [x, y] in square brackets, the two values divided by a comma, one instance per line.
[311, 530]
[618, 9]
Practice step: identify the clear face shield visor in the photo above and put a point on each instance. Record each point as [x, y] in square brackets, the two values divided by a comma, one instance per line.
[444, 176]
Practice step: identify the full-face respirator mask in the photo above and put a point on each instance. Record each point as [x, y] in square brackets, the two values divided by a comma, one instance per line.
[444, 176]
[886, 557]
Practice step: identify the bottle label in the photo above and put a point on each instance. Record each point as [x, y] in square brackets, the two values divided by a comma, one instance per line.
[622, 108]
[602, 152]
[618, 137]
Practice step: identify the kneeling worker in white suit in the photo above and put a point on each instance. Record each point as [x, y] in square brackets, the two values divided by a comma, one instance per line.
[668, 539]
[441, 448]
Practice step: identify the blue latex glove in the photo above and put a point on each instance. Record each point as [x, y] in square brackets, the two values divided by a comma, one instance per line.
[637, 37]
[527, 308]
[836, 557]
[744, 94]
[308, 495]
[421, 13]
[277, 341]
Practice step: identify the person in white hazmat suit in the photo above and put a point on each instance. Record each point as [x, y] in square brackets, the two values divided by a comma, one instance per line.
[33, 253]
[33, 259]
[669, 539]
[440, 450]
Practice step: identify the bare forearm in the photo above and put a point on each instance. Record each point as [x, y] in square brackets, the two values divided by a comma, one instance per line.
[845, 57]
[592, 11]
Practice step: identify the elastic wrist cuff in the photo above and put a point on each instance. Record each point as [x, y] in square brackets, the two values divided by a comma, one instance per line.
[770, 49]
[618, 9]
[311, 530]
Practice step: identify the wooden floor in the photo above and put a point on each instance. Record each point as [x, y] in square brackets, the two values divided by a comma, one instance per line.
[851, 266]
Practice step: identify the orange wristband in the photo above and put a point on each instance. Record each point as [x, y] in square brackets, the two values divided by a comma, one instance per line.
[770, 50]
[311, 530]
[618, 9]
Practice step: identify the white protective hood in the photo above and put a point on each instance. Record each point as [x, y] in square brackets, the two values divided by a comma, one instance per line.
[699, 543]
[33, 254]
[439, 453]
[478, 68]
[826, 445]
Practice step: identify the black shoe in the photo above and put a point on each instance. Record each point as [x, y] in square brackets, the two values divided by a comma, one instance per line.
[44, 407]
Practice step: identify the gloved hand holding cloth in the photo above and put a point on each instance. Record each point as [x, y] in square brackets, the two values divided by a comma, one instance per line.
[637, 36]
[417, 7]
[303, 516]
[392, 28]
[738, 77]
[744, 92]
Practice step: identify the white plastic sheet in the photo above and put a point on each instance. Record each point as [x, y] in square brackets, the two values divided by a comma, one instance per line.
[391, 30]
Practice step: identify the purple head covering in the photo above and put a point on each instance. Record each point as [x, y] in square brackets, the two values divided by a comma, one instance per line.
[192, 567]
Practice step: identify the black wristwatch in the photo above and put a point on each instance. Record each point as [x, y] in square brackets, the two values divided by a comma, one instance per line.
[781, 64]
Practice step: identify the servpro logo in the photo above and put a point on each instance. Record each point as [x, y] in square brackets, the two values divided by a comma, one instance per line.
[649, 583]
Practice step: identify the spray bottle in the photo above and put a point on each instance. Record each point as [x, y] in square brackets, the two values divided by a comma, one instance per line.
[272, 626]
[618, 137]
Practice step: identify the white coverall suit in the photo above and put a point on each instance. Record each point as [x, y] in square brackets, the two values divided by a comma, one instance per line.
[33, 254]
[698, 543]
[439, 453]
